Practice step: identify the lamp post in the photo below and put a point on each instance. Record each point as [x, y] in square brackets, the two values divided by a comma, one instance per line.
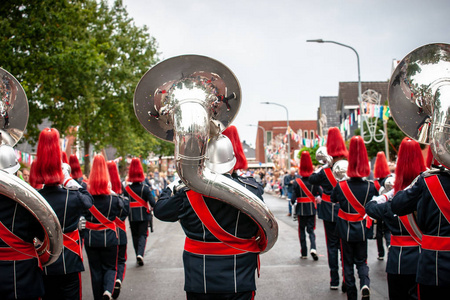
[360, 124]
[265, 143]
[289, 132]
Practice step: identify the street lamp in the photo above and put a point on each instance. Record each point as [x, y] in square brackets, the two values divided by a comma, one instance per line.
[361, 127]
[265, 143]
[289, 132]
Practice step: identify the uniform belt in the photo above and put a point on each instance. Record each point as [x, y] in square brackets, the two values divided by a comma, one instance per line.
[304, 200]
[210, 248]
[326, 198]
[71, 242]
[120, 224]
[99, 226]
[436, 243]
[25, 253]
[350, 217]
[403, 241]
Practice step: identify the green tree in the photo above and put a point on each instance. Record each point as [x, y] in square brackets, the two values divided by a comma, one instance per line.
[79, 62]
[312, 153]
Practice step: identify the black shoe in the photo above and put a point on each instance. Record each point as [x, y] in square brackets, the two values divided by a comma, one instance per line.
[344, 288]
[116, 290]
[365, 293]
[140, 260]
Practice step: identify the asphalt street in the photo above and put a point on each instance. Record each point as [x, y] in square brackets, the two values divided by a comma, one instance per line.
[283, 274]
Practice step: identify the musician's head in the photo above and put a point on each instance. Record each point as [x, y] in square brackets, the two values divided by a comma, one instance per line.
[220, 156]
[75, 167]
[116, 185]
[410, 163]
[306, 166]
[335, 143]
[135, 172]
[241, 161]
[381, 168]
[358, 161]
[49, 158]
[99, 183]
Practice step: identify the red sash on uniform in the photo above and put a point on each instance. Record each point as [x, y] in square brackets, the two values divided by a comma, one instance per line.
[355, 204]
[330, 177]
[104, 222]
[230, 241]
[309, 196]
[377, 185]
[18, 249]
[403, 241]
[437, 243]
[326, 198]
[70, 241]
[139, 201]
[120, 224]
[407, 224]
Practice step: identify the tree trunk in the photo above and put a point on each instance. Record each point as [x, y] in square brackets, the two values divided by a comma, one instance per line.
[87, 158]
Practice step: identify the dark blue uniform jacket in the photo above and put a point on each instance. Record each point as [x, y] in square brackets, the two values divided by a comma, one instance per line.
[328, 211]
[434, 266]
[364, 191]
[110, 206]
[208, 273]
[143, 191]
[20, 279]
[305, 209]
[401, 260]
[69, 205]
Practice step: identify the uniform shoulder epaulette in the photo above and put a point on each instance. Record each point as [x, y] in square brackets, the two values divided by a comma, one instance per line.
[73, 188]
[432, 172]
[248, 181]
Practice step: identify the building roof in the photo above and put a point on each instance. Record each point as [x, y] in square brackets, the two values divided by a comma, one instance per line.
[348, 92]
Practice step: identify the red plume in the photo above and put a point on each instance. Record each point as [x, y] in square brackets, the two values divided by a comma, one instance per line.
[136, 173]
[410, 163]
[49, 159]
[381, 168]
[99, 177]
[335, 143]
[75, 167]
[306, 166]
[116, 186]
[358, 161]
[241, 161]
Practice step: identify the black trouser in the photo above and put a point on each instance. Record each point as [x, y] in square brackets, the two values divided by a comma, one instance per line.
[355, 253]
[221, 296]
[308, 223]
[333, 246]
[63, 286]
[139, 233]
[432, 292]
[402, 287]
[103, 267]
[382, 231]
[121, 262]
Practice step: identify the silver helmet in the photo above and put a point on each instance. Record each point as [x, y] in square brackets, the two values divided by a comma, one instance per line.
[323, 157]
[220, 156]
[8, 159]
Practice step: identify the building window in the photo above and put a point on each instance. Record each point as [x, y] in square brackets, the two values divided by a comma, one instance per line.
[268, 137]
[312, 134]
[305, 134]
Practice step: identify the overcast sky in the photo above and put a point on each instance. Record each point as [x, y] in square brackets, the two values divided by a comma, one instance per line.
[264, 43]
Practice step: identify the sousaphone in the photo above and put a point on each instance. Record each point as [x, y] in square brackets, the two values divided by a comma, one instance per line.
[419, 100]
[187, 100]
[13, 121]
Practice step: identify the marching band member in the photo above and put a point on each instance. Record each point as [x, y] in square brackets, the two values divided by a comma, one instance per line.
[352, 195]
[19, 263]
[304, 195]
[213, 269]
[381, 173]
[116, 186]
[328, 211]
[140, 197]
[76, 172]
[62, 279]
[428, 197]
[100, 236]
[34, 177]
[404, 250]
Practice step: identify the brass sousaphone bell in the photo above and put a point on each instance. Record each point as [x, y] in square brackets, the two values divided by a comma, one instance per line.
[13, 121]
[189, 100]
[419, 100]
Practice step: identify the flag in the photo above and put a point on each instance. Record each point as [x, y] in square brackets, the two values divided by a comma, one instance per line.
[386, 113]
[381, 112]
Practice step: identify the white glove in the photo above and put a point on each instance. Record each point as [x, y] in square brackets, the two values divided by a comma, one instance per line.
[318, 199]
[173, 184]
[82, 223]
[382, 198]
[390, 194]
[69, 182]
